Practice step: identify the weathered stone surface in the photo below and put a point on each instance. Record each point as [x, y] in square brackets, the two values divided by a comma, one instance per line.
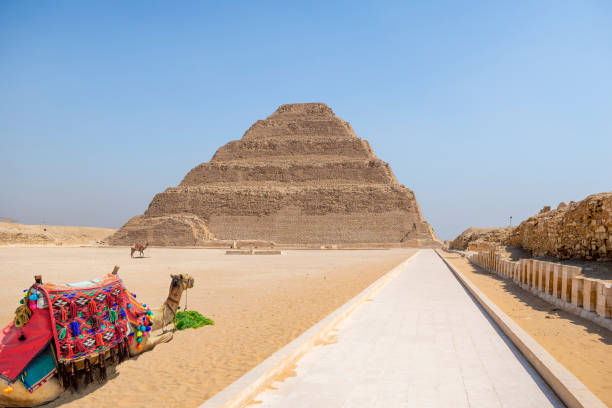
[299, 176]
[481, 237]
[169, 230]
[574, 230]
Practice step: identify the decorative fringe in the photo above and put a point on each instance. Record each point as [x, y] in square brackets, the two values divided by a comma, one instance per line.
[88, 374]
[95, 323]
[93, 307]
[63, 313]
[102, 367]
[73, 310]
[123, 351]
[78, 345]
[73, 377]
[63, 375]
[76, 329]
[120, 330]
[110, 300]
[113, 355]
[99, 339]
[22, 315]
[68, 350]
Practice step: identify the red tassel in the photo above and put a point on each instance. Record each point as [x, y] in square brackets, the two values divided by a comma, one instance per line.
[93, 307]
[79, 346]
[74, 312]
[63, 314]
[110, 300]
[68, 351]
[95, 323]
[99, 339]
[119, 330]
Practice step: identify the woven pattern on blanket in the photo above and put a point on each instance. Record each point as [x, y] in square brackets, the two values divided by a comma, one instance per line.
[87, 321]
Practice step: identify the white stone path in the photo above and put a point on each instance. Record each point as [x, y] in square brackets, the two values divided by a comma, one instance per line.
[421, 342]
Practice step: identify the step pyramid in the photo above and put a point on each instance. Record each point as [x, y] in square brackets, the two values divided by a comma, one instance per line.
[301, 176]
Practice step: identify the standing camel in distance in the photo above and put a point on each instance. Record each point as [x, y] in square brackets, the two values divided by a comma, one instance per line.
[138, 247]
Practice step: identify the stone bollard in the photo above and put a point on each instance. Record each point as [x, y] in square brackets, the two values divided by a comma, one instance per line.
[547, 277]
[557, 280]
[577, 291]
[526, 269]
[568, 272]
[589, 294]
[566, 286]
[516, 272]
[541, 282]
[604, 299]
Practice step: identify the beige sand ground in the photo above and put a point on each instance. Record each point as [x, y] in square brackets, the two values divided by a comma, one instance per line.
[259, 304]
[581, 346]
[28, 235]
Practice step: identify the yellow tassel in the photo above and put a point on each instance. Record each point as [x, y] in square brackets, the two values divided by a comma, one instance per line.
[22, 315]
[8, 389]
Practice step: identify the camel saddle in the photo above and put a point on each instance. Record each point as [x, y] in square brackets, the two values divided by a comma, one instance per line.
[84, 323]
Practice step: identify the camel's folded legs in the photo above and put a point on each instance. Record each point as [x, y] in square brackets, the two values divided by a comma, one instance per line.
[153, 341]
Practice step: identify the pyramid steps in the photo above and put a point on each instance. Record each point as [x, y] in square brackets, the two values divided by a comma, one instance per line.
[301, 176]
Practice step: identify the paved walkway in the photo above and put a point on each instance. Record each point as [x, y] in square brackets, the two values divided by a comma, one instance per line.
[421, 342]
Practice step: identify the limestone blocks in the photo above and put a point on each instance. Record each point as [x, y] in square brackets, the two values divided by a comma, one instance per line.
[574, 230]
[300, 176]
[552, 281]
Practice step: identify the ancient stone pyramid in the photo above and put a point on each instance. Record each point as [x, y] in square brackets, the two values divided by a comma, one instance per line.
[301, 176]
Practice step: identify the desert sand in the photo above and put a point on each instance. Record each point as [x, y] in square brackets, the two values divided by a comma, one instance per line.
[259, 304]
[581, 346]
[13, 234]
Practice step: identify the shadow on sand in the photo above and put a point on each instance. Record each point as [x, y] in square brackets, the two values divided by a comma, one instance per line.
[536, 303]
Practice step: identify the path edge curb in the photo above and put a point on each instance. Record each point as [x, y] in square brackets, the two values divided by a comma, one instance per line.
[568, 388]
[244, 389]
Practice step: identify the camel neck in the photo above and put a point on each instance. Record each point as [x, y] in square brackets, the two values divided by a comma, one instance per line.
[174, 298]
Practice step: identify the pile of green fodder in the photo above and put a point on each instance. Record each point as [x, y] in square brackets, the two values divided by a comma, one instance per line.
[190, 319]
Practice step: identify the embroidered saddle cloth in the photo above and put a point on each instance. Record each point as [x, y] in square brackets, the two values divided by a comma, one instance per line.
[87, 318]
[70, 323]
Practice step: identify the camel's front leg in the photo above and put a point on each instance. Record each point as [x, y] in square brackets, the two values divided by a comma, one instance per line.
[149, 342]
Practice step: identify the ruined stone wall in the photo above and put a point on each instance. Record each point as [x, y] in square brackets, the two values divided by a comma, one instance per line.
[575, 230]
[481, 238]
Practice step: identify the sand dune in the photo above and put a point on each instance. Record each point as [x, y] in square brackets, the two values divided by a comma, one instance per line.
[259, 304]
[20, 234]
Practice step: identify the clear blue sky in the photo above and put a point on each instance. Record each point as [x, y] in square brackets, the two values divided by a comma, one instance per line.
[484, 109]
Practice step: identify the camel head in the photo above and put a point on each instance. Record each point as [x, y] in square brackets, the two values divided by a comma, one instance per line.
[184, 281]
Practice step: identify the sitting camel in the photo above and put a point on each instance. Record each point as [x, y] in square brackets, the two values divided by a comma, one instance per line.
[138, 247]
[52, 389]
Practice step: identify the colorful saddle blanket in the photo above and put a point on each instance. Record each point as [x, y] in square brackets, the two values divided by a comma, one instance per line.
[81, 321]
[87, 320]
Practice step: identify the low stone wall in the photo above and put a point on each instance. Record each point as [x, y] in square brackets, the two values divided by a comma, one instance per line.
[562, 285]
